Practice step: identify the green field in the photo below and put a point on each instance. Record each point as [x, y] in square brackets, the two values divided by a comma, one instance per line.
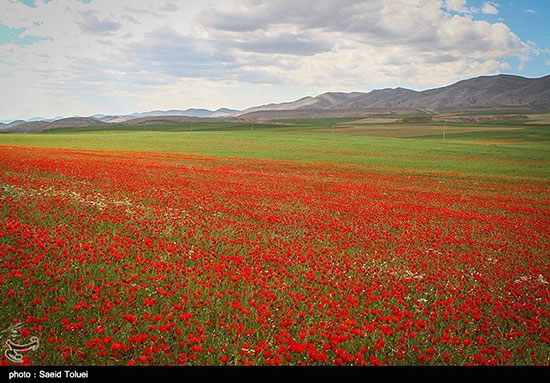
[502, 149]
[296, 242]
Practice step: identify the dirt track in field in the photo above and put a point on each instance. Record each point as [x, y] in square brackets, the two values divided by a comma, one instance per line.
[540, 119]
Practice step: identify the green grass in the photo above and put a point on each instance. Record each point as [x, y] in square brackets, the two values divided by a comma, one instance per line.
[514, 151]
[532, 134]
[530, 160]
[183, 127]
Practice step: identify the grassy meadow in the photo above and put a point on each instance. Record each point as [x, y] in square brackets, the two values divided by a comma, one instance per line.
[511, 149]
[290, 242]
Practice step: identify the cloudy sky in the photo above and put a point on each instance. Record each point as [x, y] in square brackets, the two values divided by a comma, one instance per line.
[81, 57]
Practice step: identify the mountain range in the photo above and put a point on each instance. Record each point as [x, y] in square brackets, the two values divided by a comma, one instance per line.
[500, 91]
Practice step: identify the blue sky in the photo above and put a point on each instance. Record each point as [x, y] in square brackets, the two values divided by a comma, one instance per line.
[81, 57]
[528, 19]
[16, 36]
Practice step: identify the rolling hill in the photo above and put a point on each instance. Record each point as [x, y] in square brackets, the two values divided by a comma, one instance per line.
[71, 122]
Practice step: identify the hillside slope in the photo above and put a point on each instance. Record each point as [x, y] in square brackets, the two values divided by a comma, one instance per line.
[499, 90]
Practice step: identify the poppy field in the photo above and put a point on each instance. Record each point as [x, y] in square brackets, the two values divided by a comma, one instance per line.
[142, 258]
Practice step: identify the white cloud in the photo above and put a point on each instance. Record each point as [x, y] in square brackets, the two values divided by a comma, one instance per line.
[457, 6]
[489, 8]
[112, 57]
[371, 41]
[90, 23]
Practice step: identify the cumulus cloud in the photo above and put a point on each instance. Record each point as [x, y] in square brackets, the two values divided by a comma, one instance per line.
[421, 25]
[105, 55]
[457, 6]
[489, 8]
[168, 52]
[91, 24]
[300, 44]
[169, 7]
[374, 36]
